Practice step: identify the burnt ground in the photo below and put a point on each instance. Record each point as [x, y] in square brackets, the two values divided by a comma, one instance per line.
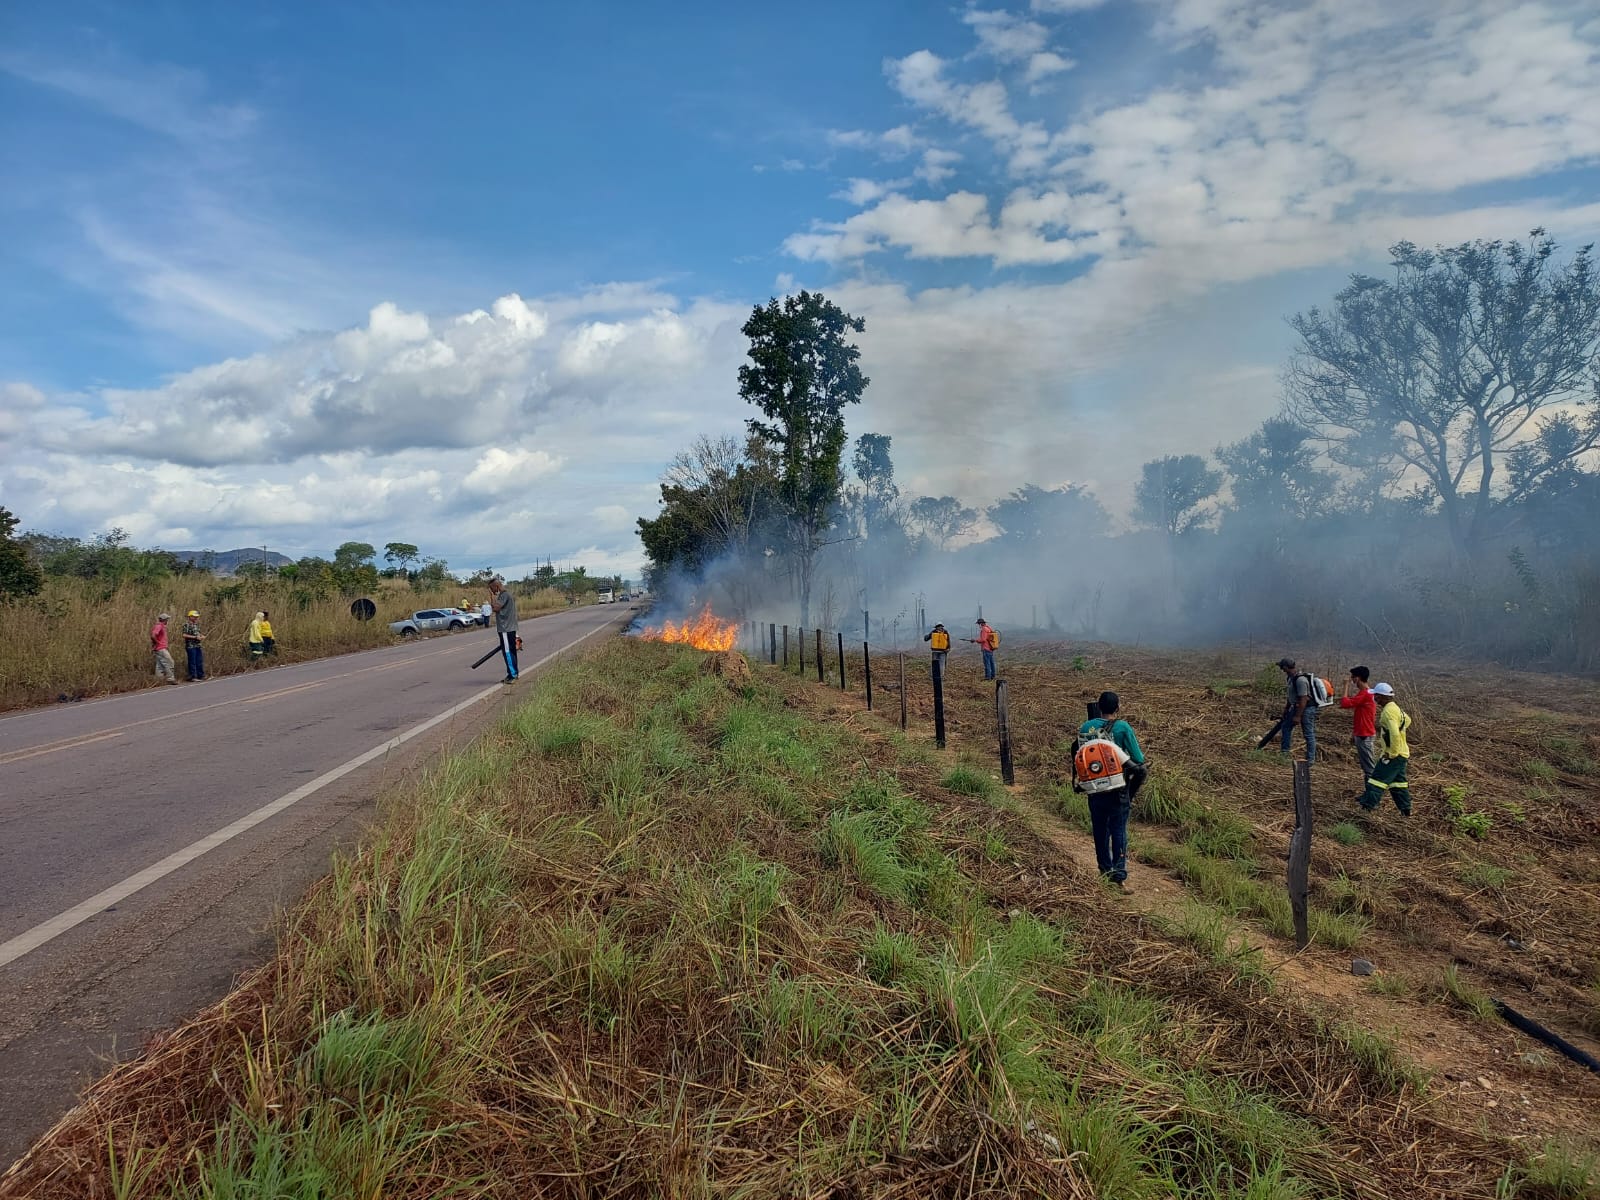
[1509, 899]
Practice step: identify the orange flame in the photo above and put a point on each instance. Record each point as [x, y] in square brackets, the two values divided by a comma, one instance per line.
[704, 632]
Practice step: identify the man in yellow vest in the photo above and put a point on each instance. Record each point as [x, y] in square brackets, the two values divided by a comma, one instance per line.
[938, 639]
[1388, 777]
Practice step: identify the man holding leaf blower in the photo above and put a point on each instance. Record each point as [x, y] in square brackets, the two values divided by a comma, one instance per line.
[504, 605]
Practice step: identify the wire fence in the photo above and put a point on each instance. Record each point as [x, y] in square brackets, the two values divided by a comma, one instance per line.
[885, 677]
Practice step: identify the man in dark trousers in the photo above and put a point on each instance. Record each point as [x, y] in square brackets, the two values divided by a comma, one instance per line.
[1298, 709]
[504, 606]
[192, 637]
[1109, 808]
[1364, 711]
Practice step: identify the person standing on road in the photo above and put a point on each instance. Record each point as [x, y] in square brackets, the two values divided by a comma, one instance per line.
[1389, 775]
[1364, 718]
[192, 637]
[1298, 709]
[988, 641]
[1095, 768]
[158, 646]
[938, 639]
[504, 604]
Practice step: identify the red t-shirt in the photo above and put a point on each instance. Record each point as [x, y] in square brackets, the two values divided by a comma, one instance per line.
[158, 636]
[1366, 712]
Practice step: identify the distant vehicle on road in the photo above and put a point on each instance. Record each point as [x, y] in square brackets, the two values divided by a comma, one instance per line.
[604, 598]
[430, 620]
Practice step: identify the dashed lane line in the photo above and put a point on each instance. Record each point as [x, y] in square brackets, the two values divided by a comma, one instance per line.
[45, 931]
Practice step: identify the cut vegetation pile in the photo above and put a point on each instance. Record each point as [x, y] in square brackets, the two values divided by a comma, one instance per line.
[667, 933]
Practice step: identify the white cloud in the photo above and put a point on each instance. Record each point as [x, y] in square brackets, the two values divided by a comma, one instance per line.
[499, 471]
[1065, 6]
[1045, 64]
[1005, 36]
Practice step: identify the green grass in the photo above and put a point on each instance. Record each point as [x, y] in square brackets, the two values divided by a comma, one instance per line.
[1378, 1055]
[967, 780]
[1483, 875]
[1347, 834]
[1540, 770]
[1074, 808]
[1467, 996]
[1560, 1171]
[1387, 983]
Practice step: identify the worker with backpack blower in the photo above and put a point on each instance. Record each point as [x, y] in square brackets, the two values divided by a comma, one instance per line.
[1307, 694]
[1109, 767]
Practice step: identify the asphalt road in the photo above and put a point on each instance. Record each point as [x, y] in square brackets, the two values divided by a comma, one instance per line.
[148, 841]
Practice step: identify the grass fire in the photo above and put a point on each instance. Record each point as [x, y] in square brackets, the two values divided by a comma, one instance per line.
[705, 631]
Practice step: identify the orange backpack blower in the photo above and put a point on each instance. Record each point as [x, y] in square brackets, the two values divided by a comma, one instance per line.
[1097, 762]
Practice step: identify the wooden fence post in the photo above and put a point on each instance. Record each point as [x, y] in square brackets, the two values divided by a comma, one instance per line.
[938, 702]
[1003, 716]
[772, 642]
[1300, 854]
[866, 667]
[785, 647]
[819, 656]
[800, 636]
[902, 692]
[841, 661]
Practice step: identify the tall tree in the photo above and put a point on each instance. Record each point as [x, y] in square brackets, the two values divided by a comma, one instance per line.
[1451, 365]
[803, 370]
[875, 469]
[399, 555]
[1032, 515]
[1274, 475]
[19, 575]
[941, 518]
[351, 555]
[1174, 494]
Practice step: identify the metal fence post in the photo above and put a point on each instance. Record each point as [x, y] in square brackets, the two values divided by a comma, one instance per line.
[866, 667]
[1003, 716]
[1300, 854]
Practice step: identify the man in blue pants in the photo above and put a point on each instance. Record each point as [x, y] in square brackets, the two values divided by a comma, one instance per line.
[504, 606]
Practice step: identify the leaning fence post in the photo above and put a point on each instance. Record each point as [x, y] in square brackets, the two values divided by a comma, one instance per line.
[1003, 716]
[1300, 853]
[841, 662]
[938, 702]
[866, 668]
[902, 692]
[785, 647]
[819, 656]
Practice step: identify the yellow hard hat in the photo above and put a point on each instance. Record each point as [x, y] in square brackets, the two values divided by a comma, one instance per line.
[194, 612]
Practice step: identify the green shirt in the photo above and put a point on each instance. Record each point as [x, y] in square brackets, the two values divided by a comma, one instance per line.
[1120, 732]
[191, 631]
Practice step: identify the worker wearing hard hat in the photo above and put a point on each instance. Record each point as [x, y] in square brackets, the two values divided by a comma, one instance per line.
[192, 637]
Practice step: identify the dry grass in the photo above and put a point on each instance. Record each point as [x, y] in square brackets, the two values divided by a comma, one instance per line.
[73, 641]
[667, 934]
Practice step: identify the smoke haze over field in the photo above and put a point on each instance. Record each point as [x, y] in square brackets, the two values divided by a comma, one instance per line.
[300, 281]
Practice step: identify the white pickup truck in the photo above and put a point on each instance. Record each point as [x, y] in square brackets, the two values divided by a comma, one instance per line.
[429, 620]
[603, 598]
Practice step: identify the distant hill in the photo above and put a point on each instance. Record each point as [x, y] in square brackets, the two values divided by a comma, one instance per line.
[226, 562]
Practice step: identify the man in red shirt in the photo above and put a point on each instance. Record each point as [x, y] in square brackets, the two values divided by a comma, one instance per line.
[1364, 732]
[158, 644]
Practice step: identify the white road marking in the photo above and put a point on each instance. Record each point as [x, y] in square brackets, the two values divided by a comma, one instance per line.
[26, 943]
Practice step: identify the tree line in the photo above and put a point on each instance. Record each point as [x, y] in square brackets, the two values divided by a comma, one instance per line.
[108, 562]
[1433, 461]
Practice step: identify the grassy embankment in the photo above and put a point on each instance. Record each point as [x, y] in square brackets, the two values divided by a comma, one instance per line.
[672, 933]
[74, 640]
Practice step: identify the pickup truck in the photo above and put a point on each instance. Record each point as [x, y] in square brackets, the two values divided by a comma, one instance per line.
[604, 598]
[430, 620]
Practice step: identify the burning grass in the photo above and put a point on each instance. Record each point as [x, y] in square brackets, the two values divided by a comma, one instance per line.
[666, 933]
[704, 631]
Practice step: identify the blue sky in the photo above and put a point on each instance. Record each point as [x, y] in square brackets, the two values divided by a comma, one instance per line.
[468, 276]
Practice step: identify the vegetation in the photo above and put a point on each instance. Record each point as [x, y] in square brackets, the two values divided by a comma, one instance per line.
[660, 933]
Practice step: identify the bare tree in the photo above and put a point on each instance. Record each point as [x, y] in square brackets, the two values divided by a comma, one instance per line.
[1470, 352]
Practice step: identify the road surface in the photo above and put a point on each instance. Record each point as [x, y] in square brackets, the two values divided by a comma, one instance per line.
[147, 841]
